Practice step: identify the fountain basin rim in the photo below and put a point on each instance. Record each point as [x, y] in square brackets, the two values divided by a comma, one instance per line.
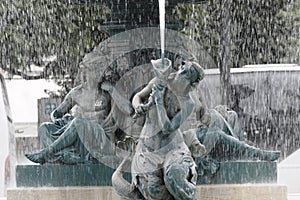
[258, 68]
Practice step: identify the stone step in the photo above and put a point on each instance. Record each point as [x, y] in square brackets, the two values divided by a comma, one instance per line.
[203, 192]
[63, 193]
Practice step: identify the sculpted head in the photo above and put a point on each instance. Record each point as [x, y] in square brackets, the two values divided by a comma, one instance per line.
[196, 73]
[186, 77]
[88, 75]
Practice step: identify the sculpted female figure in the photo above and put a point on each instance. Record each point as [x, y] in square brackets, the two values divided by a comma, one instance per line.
[162, 166]
[85, 136]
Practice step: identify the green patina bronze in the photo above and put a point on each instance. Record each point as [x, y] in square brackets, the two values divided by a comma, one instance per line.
[53, 175]
[83, 136]
[162, 166]
[164, 161]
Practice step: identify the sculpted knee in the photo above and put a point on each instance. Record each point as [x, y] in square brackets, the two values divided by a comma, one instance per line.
[180, 179]
[44, 129]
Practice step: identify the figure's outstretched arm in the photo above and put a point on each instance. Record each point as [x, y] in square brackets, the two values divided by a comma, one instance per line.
[164, 121]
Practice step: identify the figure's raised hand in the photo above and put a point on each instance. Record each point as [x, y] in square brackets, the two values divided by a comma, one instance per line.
[139, 110]
[158, 92]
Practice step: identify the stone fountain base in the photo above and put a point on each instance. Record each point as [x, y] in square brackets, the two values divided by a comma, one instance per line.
[255, 181]
[204, 192]
[54, 175]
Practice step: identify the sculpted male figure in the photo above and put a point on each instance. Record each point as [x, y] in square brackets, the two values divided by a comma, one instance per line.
[162, 165]
[220, 132]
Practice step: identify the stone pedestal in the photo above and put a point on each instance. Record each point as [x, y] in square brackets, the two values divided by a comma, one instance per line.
[240, 172]
[204, 192]
[55, 175]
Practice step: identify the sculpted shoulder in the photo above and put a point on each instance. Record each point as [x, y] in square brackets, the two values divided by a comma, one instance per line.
[74, 92]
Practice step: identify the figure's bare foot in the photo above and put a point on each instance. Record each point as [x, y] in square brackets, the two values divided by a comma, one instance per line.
[197, 149]
[37, 157]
